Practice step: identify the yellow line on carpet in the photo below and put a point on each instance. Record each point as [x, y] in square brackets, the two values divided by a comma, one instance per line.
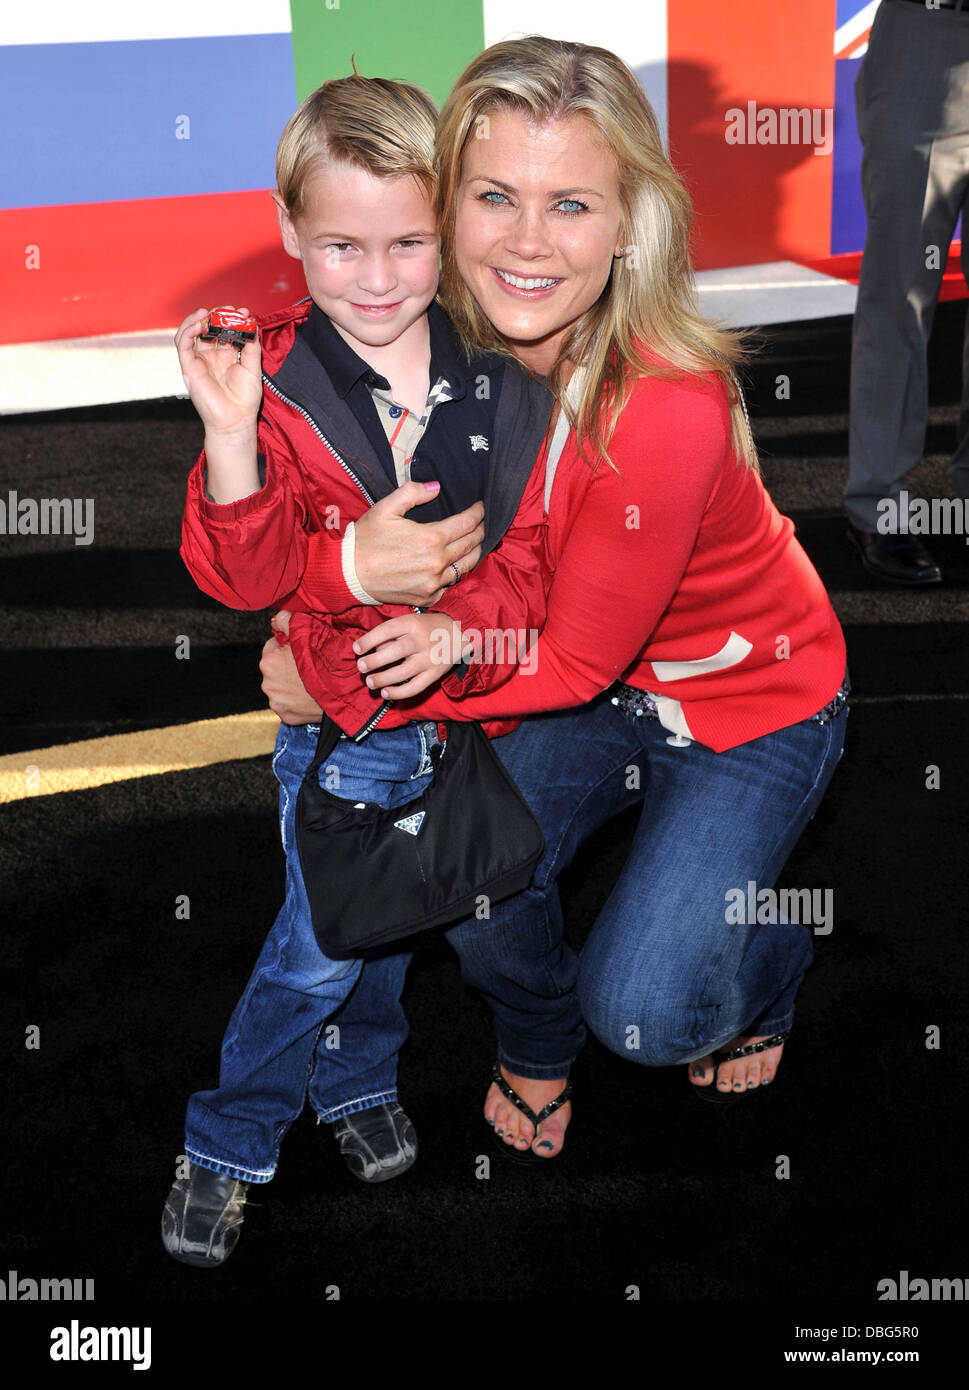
[94, 762]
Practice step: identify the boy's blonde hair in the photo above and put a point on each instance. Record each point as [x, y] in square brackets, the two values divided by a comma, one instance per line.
[371, 123]
[649, 296]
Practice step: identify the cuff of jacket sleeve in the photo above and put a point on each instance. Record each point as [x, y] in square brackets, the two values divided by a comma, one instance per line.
[456, 683]
[323, 586]
[464, 678]
[350, 568]
[232, 511]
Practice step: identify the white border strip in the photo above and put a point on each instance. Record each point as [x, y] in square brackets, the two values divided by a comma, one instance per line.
[778, 292]
[637, 32]
[118, 21]
[59, 375]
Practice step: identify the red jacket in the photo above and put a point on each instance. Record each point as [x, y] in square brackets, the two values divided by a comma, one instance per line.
[256, 552]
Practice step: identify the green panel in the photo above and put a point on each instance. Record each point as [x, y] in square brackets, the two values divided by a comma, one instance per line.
[427, 42]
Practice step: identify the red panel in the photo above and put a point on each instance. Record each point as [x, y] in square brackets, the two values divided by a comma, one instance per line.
[125, 267]
[847, 267]
[754, 202]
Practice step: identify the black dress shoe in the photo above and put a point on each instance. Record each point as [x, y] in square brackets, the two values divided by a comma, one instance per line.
[377, 1144]
[898, 559]
[202, 1219]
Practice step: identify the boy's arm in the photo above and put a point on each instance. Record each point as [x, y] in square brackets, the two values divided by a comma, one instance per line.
[247, 553]
[242, 531]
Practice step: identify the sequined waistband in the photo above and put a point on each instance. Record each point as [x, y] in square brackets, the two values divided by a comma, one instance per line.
[639, 704]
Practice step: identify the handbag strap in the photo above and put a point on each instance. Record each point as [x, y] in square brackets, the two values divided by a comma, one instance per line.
[327, 740]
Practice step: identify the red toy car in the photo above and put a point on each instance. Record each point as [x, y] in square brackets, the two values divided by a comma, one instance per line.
[229, 326]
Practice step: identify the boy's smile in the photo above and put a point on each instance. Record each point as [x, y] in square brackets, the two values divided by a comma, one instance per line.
[370, 252]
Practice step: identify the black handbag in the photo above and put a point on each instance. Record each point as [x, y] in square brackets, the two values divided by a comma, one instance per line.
[374, 875]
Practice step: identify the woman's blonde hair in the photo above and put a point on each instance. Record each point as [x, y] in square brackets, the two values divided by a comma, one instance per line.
[649, 299]
[372, 123]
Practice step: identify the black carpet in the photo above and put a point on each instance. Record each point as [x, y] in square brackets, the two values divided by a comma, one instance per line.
[657, 1197]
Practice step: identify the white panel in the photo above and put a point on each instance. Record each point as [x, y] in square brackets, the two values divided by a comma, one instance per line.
[777, 292]
[635, 29]
[88, 371]
[106, 21]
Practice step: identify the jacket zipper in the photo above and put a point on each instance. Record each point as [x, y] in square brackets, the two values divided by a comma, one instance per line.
[374, 719]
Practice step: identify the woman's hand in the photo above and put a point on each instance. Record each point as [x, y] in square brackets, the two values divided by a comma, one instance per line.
[426, 646]
[410, 562]
[286, 693]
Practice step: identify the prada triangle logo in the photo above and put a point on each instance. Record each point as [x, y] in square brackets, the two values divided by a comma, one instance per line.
[411, 824]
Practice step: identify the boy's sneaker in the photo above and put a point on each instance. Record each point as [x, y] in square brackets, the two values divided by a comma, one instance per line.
[377, 1144]
[202, 1219]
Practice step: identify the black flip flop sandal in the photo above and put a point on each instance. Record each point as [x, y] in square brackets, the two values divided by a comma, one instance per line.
[710, 1093]
[526, 1155]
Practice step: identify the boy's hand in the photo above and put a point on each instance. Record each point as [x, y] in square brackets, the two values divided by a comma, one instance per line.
[224, 382]
[426, 646]
[401, 561]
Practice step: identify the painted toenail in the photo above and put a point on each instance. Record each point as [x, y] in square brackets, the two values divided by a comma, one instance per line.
[697, 1071]
[499, 1131]
[546, 1144]
[489, 1122]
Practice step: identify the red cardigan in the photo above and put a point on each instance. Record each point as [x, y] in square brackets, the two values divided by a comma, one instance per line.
[678, 574]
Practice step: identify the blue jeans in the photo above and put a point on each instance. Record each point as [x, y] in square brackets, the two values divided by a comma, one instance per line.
[665, 975]
[278, 1046]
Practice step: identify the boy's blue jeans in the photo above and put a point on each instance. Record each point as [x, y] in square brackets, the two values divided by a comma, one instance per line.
[287, 1035]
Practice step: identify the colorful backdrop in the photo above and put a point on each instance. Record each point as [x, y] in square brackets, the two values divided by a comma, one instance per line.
[138, 141]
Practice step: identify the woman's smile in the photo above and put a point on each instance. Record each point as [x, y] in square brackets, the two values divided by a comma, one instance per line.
[524, 286]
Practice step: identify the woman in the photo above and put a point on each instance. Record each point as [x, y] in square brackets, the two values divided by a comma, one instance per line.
[690, 646]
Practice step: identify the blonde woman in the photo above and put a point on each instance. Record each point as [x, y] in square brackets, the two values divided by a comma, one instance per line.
[690, 661]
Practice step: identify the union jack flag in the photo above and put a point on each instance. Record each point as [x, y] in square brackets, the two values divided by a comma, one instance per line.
[852, 27]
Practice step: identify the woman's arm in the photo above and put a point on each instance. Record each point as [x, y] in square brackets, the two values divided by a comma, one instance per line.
[627, 542]
[284, 690]
[397, 561]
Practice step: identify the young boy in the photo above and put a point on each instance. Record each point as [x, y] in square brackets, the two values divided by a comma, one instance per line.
[342, 399]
